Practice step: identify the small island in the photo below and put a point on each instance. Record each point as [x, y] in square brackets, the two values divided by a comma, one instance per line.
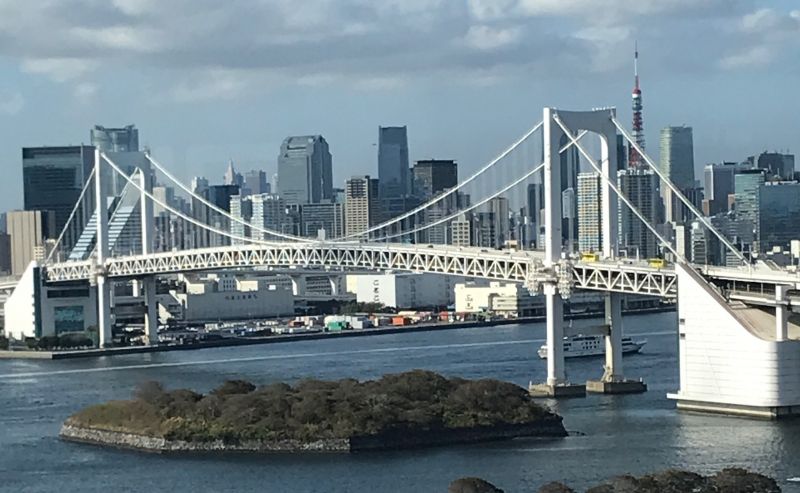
[413, 409]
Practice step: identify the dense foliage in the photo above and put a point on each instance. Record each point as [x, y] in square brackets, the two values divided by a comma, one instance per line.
[3, 342]
[314, 409]
[731, 480]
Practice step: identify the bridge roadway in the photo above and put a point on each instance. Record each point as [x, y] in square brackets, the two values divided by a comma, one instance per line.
[622, 275]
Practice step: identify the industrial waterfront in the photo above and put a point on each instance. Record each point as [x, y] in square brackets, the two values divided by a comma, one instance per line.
[610, 434]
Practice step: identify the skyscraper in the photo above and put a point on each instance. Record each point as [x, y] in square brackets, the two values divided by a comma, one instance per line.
[125, 139]
[776, 164]
[640, 186]
[393, 162]
[433, 176]
[677, 163]
[747, 185]
[719, 185]
[255, 182]
[491, 228]
[779, 215]
[242, 209]
[361, 206]
[52, 180]
[318, 218]
[534, 212]
[305, 172]
[589, 216]
[269, 212]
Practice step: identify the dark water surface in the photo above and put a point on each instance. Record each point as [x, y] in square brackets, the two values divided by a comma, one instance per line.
[619, 434]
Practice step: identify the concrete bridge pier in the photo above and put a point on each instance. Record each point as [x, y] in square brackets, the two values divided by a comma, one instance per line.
[613, 380]
[104, 322]
[556, 384]
[298, 284]
[151, 311]
[781, 313]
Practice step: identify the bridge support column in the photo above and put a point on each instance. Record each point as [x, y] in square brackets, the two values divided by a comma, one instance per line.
[613, 381]
[556, 384]
[781, 313]
[335, 282]
[104, 323]
[151, 313]
[298, 285]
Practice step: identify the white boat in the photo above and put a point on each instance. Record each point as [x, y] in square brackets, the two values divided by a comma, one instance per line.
[580, 346]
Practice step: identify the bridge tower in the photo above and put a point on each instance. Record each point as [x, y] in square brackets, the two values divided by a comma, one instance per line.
[149, 282]
[102, 251]
[555, 126]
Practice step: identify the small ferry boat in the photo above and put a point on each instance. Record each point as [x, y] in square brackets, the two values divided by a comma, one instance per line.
[581, 346]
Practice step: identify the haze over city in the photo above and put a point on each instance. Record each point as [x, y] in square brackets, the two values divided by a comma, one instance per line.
[205, 83]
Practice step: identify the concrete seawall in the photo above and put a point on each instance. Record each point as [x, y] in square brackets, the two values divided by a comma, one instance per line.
[550, 427]
[232, 342]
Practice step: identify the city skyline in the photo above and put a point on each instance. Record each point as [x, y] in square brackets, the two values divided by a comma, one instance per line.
[231, 111]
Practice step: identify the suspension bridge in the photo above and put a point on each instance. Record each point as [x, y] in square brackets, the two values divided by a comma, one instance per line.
[739, 352]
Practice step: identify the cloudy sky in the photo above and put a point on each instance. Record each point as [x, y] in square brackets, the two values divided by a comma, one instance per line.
[206, 80]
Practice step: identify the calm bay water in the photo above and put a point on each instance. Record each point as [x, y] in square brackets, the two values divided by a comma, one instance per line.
[618, 434]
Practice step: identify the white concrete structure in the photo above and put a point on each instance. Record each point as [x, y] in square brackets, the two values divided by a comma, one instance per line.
[36, 310]
[504, 299]
[734, 359]
[405, 290]
[227, 305]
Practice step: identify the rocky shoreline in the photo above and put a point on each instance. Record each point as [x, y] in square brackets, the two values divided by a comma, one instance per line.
[395, 439]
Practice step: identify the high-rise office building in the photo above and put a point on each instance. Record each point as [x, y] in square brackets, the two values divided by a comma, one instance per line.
[393, 162]
[270, 212]
[534, 209]
[124, 139]
[305, 170]
[747, 185]
[433, 176]
[570, 167]
[776, 165]
[677, 163]
[323, 221]
[491, 227]
[677, 155]
[255, 183]
[640, 186]
[241, 209]
[719, 186]
[589, 215]
[52, 180]
[779, 215]
[361, 206]
[28, 231]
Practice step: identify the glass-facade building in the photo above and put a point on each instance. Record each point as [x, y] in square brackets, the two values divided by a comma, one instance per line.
[433, 176]
[52, 180]
[747, 185]
[305, 170]
[779, 215]
[393, 162]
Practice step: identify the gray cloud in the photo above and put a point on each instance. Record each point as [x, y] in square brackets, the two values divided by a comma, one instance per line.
[218, 49]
